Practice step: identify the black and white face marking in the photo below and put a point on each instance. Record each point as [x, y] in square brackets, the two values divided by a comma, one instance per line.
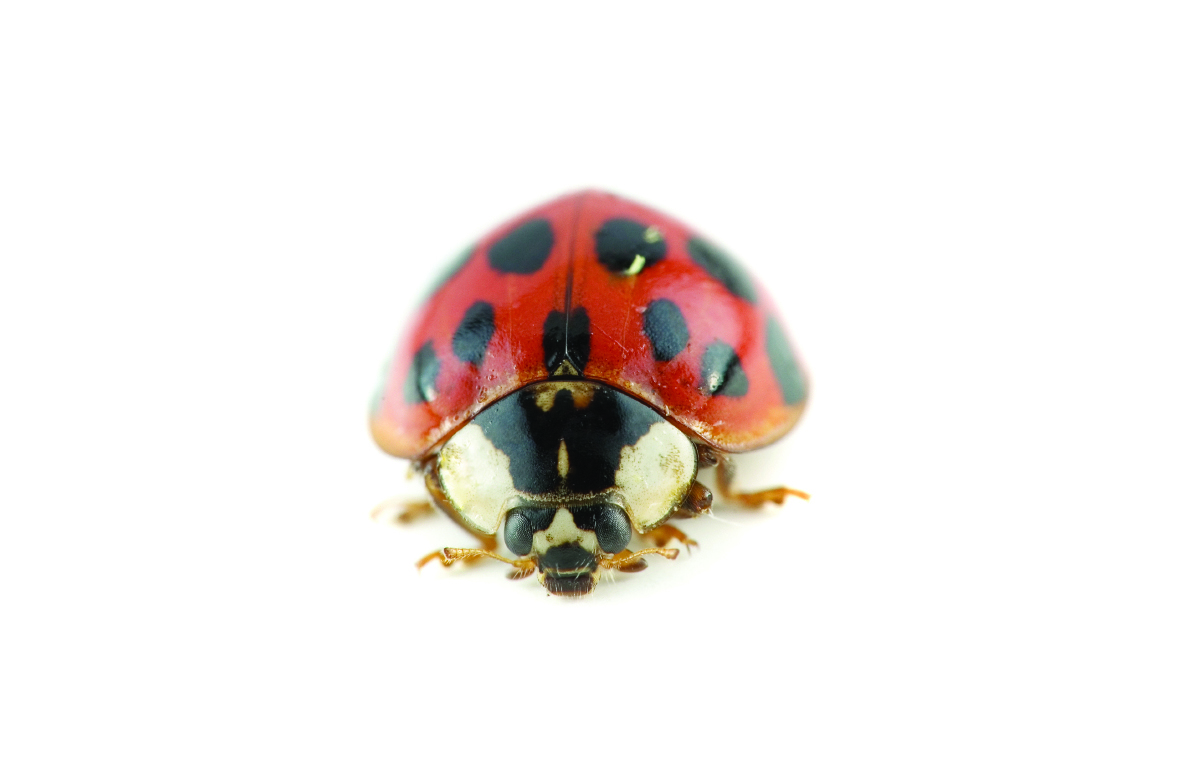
[567, 543]
[534, 529]
[566, 555]
[572, 445]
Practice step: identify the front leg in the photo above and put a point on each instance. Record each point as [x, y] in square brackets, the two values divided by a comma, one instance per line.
[697, 502]
[633, 561]
[402, 510]
[521, 568]
[449, 555]
[663, 534]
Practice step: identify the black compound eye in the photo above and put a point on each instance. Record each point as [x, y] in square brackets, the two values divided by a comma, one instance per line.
[521, 523]
[518, 534]
[612, 528]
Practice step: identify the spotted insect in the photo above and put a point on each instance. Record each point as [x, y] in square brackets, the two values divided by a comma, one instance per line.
[569, 378]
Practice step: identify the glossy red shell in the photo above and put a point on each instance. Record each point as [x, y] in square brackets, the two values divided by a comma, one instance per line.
[621, 353]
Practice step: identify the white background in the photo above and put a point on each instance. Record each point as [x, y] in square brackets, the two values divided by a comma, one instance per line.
[215, 219]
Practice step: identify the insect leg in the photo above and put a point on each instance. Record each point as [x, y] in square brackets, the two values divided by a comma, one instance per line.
[448, 556]
[402, 511]
[663, 534]
[633, 561]
[725, 472]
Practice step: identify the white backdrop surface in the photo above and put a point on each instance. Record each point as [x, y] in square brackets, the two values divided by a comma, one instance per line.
[215, 219]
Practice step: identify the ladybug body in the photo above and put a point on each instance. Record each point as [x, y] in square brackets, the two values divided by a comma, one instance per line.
[571, 375]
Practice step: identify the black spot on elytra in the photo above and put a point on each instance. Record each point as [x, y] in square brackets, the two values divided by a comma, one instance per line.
[721, 266]
[471, 337]
[524, 249]
[595, 435]
[420, 382]
[784, 364]
[567, 340]
[620, 241]
[665, 327]
[722, 374]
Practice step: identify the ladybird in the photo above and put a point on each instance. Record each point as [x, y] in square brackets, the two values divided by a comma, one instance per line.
[569, 377]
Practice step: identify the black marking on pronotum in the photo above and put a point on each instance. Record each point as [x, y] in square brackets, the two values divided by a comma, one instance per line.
[471, 337]
[420, 382]
[784, 364]
[665, 327]
[722, 374]
[531, 437]
[564, 341]
[524, 249]
[720, 266]
[626, 247]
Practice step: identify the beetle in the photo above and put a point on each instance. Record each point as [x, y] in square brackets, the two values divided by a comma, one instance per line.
[569, 377]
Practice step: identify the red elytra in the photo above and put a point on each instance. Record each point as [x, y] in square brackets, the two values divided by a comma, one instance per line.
[732, 382]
